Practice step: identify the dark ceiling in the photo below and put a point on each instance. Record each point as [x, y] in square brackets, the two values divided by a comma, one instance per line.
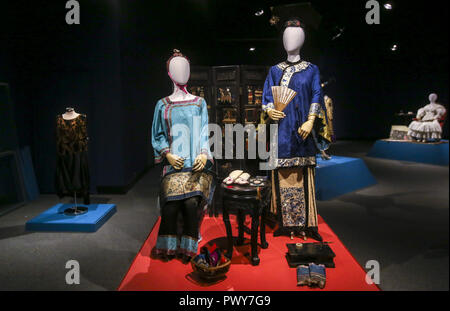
[418, 28]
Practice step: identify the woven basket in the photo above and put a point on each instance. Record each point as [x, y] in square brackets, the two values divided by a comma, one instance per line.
[211, 273]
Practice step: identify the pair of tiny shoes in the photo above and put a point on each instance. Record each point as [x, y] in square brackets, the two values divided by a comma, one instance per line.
[243, 179]
[311, 275]
[303, 277]
[232, 177]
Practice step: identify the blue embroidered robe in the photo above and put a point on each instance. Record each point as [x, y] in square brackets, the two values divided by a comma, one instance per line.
[304, 78]
[293, 179]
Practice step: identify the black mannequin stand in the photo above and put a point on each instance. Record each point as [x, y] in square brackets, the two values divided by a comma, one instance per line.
[76, 210]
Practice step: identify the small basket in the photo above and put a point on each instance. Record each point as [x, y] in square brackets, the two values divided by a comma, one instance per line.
[211, 273]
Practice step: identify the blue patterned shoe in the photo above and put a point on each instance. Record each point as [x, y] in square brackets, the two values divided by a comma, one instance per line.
[303, 278]
[318, 275]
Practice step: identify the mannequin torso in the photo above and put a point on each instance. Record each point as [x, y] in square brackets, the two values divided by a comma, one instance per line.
[431, 112]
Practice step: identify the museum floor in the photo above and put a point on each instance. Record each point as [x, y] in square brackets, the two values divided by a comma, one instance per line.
[402, 222]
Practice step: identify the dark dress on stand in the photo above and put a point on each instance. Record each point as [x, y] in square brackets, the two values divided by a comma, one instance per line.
[293, 179]
[72, 167]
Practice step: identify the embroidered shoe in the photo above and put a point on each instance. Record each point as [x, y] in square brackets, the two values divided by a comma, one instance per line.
[303, 277]
[318, 275]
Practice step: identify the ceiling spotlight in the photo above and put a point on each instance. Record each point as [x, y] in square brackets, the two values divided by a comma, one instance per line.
[394, 48]
[252, 49]
[388, 6]
[259, 13]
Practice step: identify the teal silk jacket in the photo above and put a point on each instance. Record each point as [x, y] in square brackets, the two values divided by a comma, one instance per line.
[181, 128]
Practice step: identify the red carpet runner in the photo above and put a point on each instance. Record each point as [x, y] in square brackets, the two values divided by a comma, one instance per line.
[273, 273]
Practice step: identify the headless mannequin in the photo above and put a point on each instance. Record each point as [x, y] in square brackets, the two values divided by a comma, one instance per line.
[433, 100]
[76, 210]
[293, 40]
[426, 127]
[428, 116]
[70, 114]
[179, 73]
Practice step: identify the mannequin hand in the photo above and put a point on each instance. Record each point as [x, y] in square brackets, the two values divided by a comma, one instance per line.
[306, 128]
[199, 163]
[275, 114]
[176, 161]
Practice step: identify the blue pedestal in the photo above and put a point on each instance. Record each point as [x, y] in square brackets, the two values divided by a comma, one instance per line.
[436, 154]
[341, 175]
[54, 219]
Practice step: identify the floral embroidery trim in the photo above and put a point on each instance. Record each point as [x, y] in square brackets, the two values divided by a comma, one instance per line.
[162, 154]
[268, 106]
[189, 245]
[314, 110]
[293, 206]
[298, 161]
[167, 244]
[181, 185]
[290, 70]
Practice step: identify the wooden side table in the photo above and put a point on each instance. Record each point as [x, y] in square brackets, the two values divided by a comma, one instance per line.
[246, 200]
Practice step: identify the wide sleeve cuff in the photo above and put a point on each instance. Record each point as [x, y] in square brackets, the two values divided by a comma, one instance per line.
[267, 107]
[207, 153]
[159, 158]
[314, 110]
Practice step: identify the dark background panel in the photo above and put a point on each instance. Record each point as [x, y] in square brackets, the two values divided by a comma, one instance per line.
[112, 67]
[8, 130]
[53, 66]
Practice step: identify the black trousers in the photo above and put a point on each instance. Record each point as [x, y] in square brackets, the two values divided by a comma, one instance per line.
[188, 209]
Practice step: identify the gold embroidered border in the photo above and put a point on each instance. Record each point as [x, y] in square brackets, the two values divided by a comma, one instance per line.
[183, 183]
[299, 161]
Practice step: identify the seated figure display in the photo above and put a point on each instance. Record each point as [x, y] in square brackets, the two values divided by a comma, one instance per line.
[427, 126]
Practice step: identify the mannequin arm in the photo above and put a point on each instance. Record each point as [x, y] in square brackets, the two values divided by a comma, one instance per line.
[159, 138]
[420, 114]
[440, 111]
[174, 160]
[205, 154]
[267, 102]
[200, 162]
[315, 108]
[275, 114]
[307, 127]
[267, 98]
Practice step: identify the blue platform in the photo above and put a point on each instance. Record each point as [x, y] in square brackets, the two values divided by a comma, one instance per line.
[436, 154]
[54, 219]
[341, 175]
